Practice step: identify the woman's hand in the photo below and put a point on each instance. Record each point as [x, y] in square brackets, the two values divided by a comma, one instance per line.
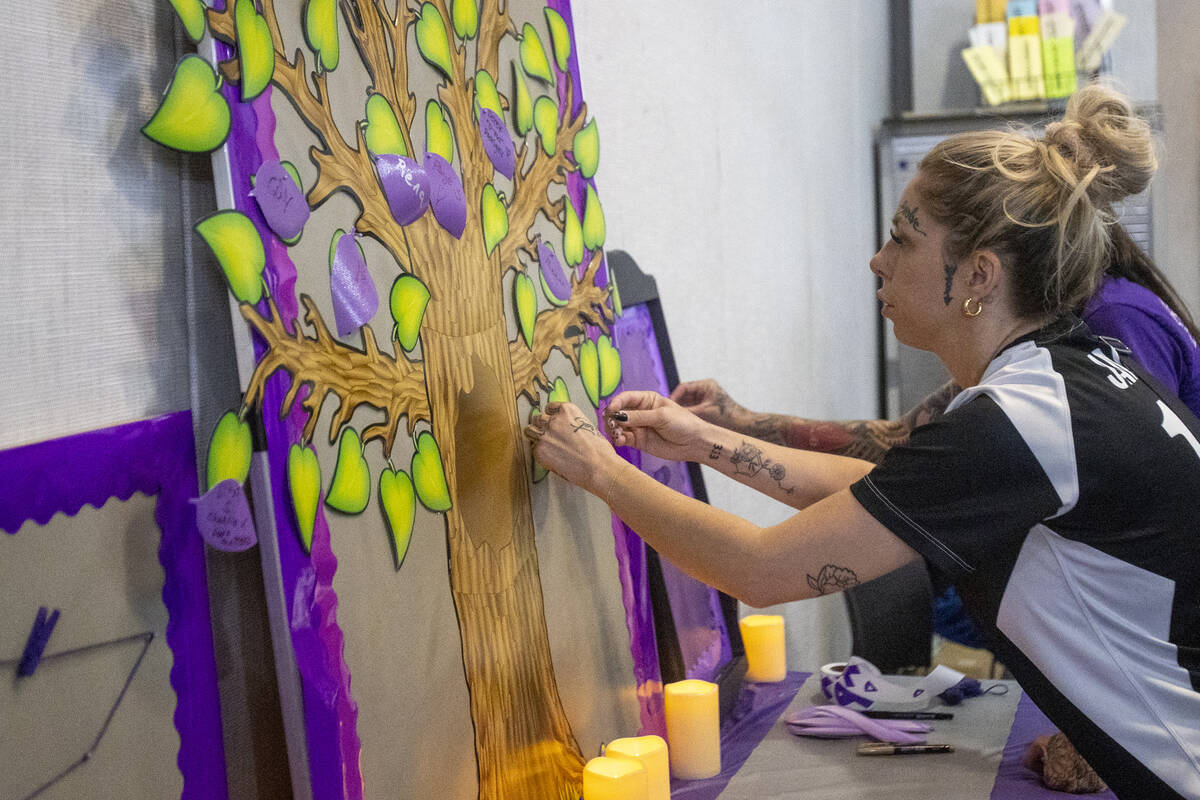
[654, 424]
[566, 442]
[708, 401]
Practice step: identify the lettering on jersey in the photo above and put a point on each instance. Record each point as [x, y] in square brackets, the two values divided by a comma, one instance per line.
[1174, 426]
[1118, 374]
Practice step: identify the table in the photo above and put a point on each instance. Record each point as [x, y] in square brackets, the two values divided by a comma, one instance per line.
[788, 767]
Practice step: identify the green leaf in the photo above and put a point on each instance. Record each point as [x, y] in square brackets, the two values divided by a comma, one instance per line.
[610, 365]
[589, 371]
[559, 393]
[523, 111]
[439, 138]
[466, 18]
[525, 301]
[398, 499]
[407, 302]
[545, 119]
[560, 38]
[494, 217]
[593, 221]
[586, 149]
[533, 55]
[239, 250]
[572, 236]
[191, 14]
[256, 51]
[486, 95]
[304, 486]
[321, 32]
[381, 130]
[350, 488]
[193, 116]
[432, 40]
[229, 450]
[429, 478]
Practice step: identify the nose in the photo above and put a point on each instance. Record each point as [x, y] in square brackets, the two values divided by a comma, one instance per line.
[877, 262]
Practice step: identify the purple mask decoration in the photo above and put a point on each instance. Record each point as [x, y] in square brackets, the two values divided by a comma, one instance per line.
[405, 185]
[446, 194]
[497, 143]
[355, 300]
[280, 199]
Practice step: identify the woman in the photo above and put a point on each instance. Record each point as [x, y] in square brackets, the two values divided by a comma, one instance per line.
[1058, 490]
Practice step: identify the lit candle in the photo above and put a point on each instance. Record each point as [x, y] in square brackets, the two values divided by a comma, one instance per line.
[612, 778]
[766, 657]
[693, 713]
[651, 751]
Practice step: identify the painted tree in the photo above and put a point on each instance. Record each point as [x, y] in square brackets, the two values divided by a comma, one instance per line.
[451, 263]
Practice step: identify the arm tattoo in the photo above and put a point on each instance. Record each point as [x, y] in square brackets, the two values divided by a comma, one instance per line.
[832, 578]
[748, 460]
[910, 214]
[716, 452]
[950, 270]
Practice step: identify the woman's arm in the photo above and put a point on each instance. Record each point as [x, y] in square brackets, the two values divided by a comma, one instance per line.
[865, 439]
[829, 546]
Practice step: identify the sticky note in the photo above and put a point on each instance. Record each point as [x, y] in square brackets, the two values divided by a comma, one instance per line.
[989, 72]
[1021, 8]
[1025, 58]
[989, 11]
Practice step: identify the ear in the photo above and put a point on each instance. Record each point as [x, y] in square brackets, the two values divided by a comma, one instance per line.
[983, 275]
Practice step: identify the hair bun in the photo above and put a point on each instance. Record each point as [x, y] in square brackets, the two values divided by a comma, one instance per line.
[1100, 130]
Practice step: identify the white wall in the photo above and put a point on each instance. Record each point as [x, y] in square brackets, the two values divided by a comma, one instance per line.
[736, 168]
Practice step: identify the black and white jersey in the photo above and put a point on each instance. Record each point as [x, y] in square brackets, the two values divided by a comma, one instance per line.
[1062, 495]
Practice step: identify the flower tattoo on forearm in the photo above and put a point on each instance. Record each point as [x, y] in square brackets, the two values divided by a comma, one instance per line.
[749, 460]
[832, 578]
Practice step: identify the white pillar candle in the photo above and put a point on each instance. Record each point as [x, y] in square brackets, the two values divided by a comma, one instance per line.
[651, 751]
[693, 713]
[614, 778]
[766, 655]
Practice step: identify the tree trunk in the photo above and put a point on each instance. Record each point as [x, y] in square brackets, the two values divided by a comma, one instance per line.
[523, 742]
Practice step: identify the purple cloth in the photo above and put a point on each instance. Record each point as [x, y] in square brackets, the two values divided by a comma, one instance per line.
[757, 709]
[1138, 317]
[1013, 780]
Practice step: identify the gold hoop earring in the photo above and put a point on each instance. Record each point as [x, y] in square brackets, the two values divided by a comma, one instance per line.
[967, 307]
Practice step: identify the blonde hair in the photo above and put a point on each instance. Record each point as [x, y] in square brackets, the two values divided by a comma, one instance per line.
[1043, 205]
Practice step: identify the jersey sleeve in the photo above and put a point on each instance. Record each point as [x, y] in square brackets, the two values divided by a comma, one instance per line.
[964, 486]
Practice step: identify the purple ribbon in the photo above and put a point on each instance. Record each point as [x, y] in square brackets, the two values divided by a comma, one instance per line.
[836, 722]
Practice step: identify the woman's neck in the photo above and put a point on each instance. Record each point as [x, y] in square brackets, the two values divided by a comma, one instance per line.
[968, 357]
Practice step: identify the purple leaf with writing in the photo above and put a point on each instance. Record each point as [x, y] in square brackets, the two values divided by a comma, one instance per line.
[497, 143]
[355, 300]
[280, 199]
[552, 273]
[446, 194]
[405, 185]
[223, 517]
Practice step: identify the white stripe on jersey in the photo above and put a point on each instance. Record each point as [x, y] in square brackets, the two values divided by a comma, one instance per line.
[1097, 628]
[1023, 382]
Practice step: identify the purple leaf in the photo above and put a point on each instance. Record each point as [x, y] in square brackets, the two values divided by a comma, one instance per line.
[223, 516]
[280, 199]
[552, 272]
[355, 300]
[497, 143]
[446, 194]
[406, 186]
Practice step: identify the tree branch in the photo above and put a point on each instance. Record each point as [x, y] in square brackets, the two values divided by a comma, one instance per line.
[356, 377]
[588, 305]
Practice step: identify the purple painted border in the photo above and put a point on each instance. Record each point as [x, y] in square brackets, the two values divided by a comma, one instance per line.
[330, 714]
[156, 457]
